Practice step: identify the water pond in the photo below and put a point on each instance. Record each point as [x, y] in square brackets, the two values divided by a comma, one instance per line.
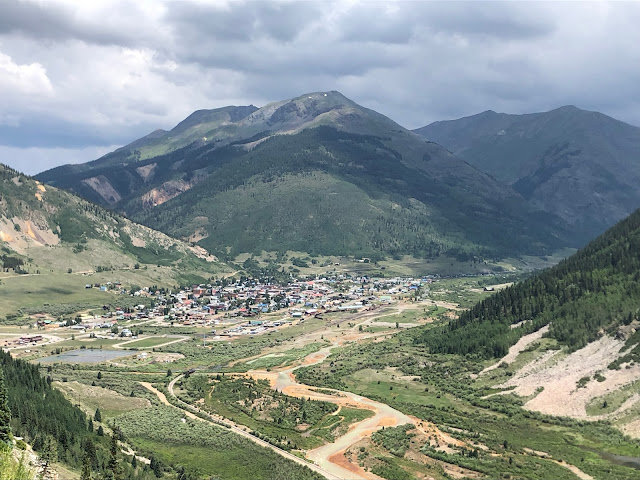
[89, 355]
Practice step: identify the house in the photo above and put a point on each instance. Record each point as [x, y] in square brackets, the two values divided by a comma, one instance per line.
[32, 339]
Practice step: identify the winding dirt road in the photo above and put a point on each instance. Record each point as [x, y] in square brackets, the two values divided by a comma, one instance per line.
[331, 455]
[236, 429]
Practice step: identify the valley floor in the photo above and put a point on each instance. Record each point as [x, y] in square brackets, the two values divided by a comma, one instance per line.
[351, 396]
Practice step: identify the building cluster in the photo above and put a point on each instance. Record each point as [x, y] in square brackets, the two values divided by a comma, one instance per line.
[248, 307]
[211, 305]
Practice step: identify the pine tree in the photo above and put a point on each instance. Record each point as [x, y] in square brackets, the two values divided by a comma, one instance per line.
[5, 413]
[113, 466]
[86, 468]
[49, 452]
[90, 452]
[156, 467]
[97, 416]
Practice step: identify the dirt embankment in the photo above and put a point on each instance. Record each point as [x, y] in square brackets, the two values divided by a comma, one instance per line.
[518, 348]
[557, 379]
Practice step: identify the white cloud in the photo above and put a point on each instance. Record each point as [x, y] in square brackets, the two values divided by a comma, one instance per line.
[28, 79]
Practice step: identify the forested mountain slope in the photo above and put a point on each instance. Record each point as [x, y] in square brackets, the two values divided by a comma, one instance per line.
[590, 294]
[582, 166]
[43, 417]
[317, 173]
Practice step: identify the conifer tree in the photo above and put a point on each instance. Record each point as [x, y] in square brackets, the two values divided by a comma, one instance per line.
[5, 413]
[48, 453]
[113, 466]
[86, 468]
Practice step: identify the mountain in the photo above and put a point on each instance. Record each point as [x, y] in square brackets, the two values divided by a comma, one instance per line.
[564, 342]
[317, 173]
[581, 166]
[45, 229]
[593, 293]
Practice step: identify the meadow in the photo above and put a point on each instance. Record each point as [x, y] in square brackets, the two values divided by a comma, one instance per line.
[204, 449]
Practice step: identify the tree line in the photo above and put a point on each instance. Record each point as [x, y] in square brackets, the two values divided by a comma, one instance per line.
[583, 297]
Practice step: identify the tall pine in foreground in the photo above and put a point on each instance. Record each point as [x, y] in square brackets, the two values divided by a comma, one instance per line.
[5, 413]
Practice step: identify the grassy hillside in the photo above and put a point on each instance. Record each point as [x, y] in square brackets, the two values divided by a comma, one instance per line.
[582, 166]
[592, 293]
[53, 243]
[319, 174]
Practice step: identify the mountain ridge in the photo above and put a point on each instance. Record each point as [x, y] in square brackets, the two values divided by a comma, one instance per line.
[580, 165]
[56, 231]
[448, 204]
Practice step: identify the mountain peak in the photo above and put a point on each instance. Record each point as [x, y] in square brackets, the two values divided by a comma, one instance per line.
[214, 117]
[537, 153]
[567, 109]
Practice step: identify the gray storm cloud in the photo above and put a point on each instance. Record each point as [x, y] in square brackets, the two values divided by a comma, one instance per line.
[81, 76]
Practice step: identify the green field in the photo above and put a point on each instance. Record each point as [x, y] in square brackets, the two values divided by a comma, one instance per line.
[110, 402]
[206, 450]
[149, 342]
[288, 422]
[271, 360]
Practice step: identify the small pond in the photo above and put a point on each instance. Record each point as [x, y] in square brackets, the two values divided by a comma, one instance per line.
[633, 462]
[89, 355]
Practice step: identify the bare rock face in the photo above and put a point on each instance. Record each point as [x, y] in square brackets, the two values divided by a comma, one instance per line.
[624, 332]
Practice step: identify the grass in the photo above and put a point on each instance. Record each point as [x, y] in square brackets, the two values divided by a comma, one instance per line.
[112, 379]
[39, 291]
[288, 422]
[612, 401]
[278, 359]
[12, 468]
[334, 426]
[405, 265]
[205, 449]
[216, 355]
[149, 342]
[445, 396]
[53, 288]
[110, 402]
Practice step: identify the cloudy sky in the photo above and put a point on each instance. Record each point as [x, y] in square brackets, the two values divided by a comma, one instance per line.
[80, 78]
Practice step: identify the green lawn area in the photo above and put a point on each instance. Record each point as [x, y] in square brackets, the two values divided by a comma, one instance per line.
[39, 291]
[278, 359]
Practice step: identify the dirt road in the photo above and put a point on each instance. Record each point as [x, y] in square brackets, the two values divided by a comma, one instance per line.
[171, 339]
[236, 429]
[331, 455]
